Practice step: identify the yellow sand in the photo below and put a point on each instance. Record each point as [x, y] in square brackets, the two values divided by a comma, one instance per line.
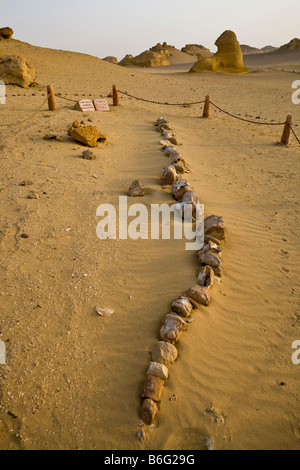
[73, 378]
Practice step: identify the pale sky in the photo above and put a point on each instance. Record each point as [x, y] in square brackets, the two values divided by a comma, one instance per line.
[119, 27]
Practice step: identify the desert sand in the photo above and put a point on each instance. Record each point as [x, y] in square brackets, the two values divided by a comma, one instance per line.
[73, 378]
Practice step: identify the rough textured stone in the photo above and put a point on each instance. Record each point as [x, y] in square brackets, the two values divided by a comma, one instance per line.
[164, 353]
[168, 176]
[206, 276]
[172, 328]
[214, 226]
[179, 189]
[15, 70]
[88, 155]
[191, 198]
[136, 189]
[152, 388]
[149, 411]
[228, 58]
[212, 258]
[87, 135]
[158, 370]
[182, 306]
[6, 33]
[199, 295]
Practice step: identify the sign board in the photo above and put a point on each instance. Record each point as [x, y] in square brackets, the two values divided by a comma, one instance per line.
[101, 105]
[84, 106]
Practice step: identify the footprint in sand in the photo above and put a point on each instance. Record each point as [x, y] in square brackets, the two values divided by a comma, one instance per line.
[284, 254]
[189, 439]
[284, 269]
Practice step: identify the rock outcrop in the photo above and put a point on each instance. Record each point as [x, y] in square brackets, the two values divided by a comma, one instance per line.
[196, 50]
[229, 57]
[111, 59]
[291, 46]
[6, 33]
[146, 59]
[15, 70]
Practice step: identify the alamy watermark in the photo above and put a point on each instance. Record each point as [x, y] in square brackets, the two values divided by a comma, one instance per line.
[296, 354]
[296, 94]
[140, 222]
[2, 93]
[2, 353]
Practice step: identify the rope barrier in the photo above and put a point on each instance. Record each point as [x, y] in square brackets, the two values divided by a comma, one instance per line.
[159, 102]
[294, 133]
[248, 120]
[27, 119]
[167, 104]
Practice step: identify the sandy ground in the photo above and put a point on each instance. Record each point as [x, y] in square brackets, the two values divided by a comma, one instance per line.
[72, 378]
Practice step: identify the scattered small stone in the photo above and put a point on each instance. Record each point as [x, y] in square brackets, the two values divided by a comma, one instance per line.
[34, 195]
[136, 189]
[141, 436]
[26, 183]
[173, 397]
[88, 155]
[53, 136]
[24, 235]
[96, 177]
[102, 311]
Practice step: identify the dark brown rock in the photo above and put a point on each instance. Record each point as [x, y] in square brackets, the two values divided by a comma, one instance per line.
[214, 226]
[152, 388]
[182, 307]
[168, 176]
[199, 295]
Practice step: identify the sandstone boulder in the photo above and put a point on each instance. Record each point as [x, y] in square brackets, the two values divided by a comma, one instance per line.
[87, 135]
[6, 33]
[228, 58]
[15, 70]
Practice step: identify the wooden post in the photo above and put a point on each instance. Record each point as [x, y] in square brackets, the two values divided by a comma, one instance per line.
[51, 98]
[206, 109]
[115, 96]
[287, 130]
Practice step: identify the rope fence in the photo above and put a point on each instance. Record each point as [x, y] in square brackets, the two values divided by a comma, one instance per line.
[51, 97]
